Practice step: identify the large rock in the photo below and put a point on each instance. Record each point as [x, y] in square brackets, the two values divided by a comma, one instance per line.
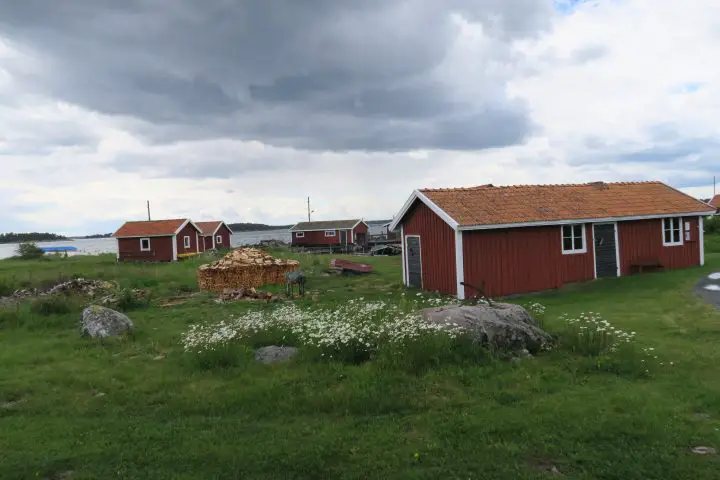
[275, 354]
[501, 325]
[103, 322]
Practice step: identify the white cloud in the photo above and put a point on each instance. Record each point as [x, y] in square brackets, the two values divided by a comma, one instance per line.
[616, 90]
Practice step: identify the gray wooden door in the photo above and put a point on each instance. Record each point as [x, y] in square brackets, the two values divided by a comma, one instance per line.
[605, 250]
[414, 262]
[343, 237]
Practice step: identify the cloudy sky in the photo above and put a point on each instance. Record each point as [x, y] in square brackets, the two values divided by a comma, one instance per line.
[240, 109]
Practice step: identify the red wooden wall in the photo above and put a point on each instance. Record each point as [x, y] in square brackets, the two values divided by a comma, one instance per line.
[194, 235]
[523, 260]
[437, 245]
[161, 250]
[225, 234]
[643, 239]
[318, 238]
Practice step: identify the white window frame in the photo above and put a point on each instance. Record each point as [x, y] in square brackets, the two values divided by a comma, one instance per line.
[299, 234]
[187, 242]
[330, 233]
[149, 246]
[218, 239]
[672, 242]
[573, 251]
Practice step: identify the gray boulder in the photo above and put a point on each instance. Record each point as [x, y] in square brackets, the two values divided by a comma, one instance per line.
[507, 327]
[103, 322]
[274, 354]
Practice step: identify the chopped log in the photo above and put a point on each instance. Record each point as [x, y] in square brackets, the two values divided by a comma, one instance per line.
[244, 268]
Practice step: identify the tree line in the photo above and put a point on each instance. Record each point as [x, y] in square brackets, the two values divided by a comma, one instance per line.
[29, 237]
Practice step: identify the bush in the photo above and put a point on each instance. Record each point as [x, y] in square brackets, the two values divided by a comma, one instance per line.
[29, 251]
[431, 350]
[6, 287]
[129, 300]
[712, 225]
[10, 317]
[52, 305]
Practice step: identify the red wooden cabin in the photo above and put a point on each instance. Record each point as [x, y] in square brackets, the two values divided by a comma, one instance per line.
[529, 238]
[332, 232]
[715, 202]
[157, 240]
[215, 235]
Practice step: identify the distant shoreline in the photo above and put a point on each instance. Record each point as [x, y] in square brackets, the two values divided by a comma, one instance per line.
[10, 238]
[7, 238]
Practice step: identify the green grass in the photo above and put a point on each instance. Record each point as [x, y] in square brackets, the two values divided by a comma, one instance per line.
[163, 417]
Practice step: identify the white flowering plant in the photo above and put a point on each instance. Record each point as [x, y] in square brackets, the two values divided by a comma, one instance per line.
[611, 349]
[537, 310]
[591, 335]
[350, 332]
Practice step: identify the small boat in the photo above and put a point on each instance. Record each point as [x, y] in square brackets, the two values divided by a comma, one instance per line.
[348, 266]
[58, 249]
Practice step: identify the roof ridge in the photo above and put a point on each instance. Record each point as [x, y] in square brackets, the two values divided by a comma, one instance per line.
[537, 185]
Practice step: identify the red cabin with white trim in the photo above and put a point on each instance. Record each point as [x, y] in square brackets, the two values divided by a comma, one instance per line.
[216, 235]
[529, 238]
[158, 240]
[330, 232]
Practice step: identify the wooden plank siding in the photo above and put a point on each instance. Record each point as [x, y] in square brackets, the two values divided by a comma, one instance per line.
[161, 250]
[437, 249]
[319, 238]
[643, 239]
[188, 231]
[523, 260]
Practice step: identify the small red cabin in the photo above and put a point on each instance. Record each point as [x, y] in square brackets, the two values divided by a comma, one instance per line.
[215, 235]
[158, 240]
[529, 238]
[332, 232]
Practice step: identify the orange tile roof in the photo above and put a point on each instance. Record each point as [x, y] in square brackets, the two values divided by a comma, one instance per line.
[154, 228]
[490, 205]
[208, 228]
[715, 202]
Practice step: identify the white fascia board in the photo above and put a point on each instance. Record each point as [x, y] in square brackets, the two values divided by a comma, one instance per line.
[418, 195]
[579, 220]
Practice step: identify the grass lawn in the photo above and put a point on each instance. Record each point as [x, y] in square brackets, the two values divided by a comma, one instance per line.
[144, 409]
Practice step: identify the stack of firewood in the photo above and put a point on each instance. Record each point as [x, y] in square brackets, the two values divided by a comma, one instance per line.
[244, 268]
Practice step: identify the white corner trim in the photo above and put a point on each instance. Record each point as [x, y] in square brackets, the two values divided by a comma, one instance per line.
[584, 240]
[682, 232]
[117, 245]
[701, 239]
[197, 242]
[417, 195]
[459, 265]
[402, 253]
[175, 248]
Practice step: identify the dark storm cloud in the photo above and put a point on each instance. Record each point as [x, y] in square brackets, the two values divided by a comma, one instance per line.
[315, 74]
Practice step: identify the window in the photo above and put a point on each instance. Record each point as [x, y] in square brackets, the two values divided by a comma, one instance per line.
[187, 242]
[330, 233]
[218, 239]
[573, 239]
[299, 234]
[144, 244]
[672, 232]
